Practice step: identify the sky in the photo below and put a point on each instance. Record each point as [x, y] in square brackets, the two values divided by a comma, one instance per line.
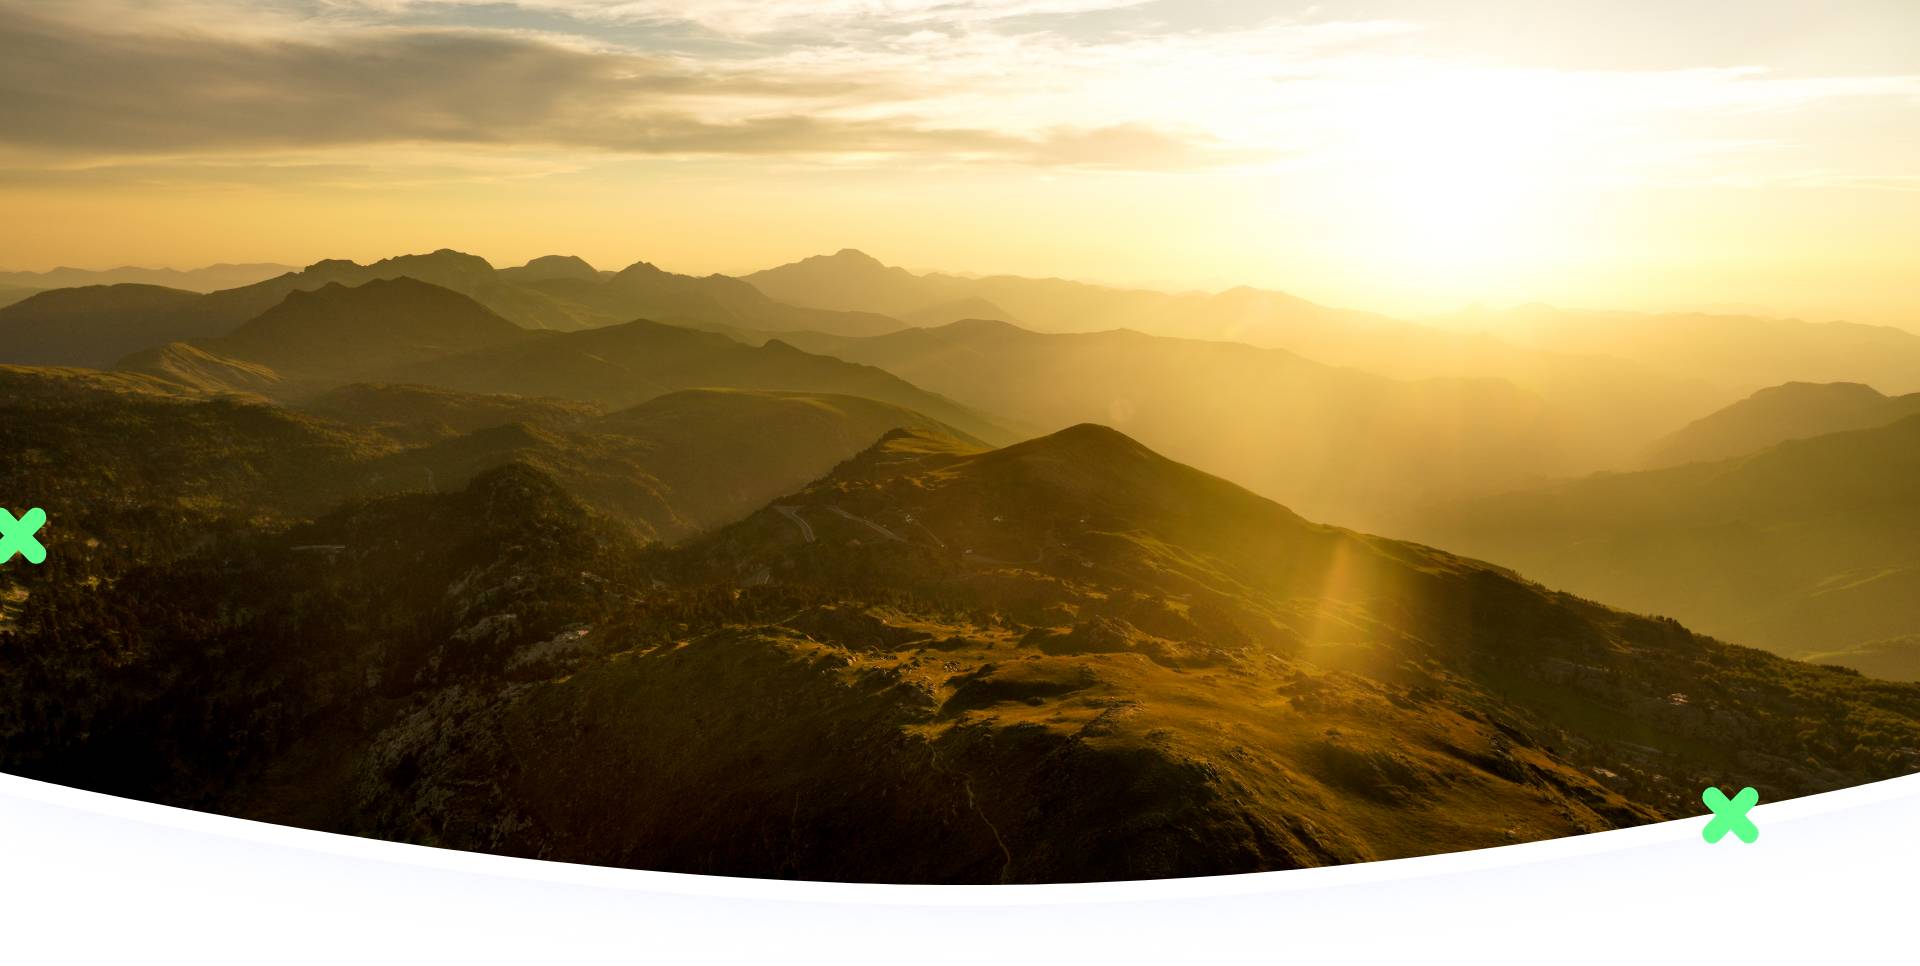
[1407, 156]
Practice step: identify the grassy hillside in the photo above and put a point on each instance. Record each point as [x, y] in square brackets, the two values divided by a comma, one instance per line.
[1066, 659]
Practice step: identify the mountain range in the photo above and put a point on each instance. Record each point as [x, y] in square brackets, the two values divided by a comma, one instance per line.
[1065, 659]
[1808, 546]
[96, 325]
[1608, 402]
[1341, 443]
[207, 279]
[1735, 353]
[839, 571]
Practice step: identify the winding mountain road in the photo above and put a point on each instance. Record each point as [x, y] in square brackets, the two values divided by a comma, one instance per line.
[793, 513]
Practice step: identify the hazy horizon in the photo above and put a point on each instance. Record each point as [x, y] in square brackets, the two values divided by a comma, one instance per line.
[1437, 317]
[1406, 158]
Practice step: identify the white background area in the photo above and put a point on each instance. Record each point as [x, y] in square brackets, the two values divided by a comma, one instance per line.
[91, 878]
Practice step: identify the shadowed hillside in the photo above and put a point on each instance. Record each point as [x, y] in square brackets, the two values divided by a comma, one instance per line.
[1810, 546]
[622, 365]
[96, 325]
[139, 448]
[1796, 410]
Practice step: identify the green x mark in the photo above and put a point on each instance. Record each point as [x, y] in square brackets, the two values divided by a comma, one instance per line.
[1730, 814]
[16, 536]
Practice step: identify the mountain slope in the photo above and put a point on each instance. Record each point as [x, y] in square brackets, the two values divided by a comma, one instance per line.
[335, 332]
[642, 290]
[1613, 407]
[138, 449]
[621, 365]
[94, 326]
[1795, 410]
[1810, 546]
[671, 467]
[204, 371]
[1066, 659]
[1338, 443]
[1073, 659]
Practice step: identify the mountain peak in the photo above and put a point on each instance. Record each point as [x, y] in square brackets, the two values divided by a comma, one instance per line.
[548, 267]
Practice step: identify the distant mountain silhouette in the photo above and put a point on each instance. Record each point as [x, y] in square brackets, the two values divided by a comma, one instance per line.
[1339, 443]
[1613, 407]
[208, 279]
[562, 293]
[470, 275]
[642, 290]
[852, 280]
[1812, 545]
[548, 267]
[1796, 410]
[1737, 353]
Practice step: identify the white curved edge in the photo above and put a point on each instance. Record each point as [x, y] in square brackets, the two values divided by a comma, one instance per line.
[1775, 819]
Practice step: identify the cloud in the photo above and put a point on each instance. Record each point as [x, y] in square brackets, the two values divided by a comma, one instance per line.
[103, 83]
[113, 95]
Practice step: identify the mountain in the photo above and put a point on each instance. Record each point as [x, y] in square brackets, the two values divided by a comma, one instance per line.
[470, 275]
[1067, 659]
[642, 290]
[1338, 443]
[674, 466]
[669, 468]
[548, 267]
[1796, 410]
[1734, 352]
[1612, 407]
[621, 365]
[10, 295]
[1810, 546]
[851, 280]
[208, 279]
[561, 293]
[96, 325]
[336, 333]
